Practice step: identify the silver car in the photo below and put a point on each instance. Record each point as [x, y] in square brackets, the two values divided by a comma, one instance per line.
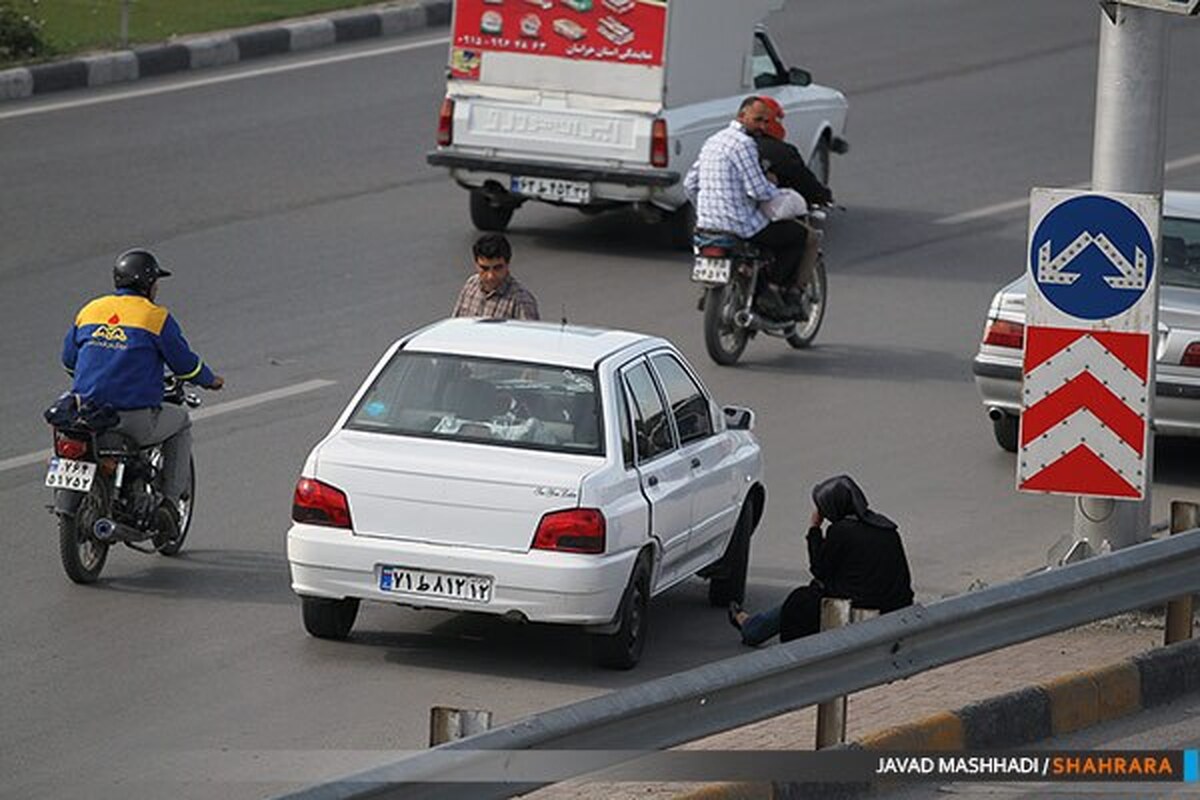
[997, 366]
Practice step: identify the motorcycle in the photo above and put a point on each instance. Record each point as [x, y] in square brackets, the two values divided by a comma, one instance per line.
[730, 270]
[108, 489]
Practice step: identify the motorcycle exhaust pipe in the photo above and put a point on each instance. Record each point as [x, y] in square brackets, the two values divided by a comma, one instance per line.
[995, 414]
[106, 530]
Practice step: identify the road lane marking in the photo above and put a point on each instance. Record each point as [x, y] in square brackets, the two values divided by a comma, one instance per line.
[204, 413]
[1013, 205]
[240, 76]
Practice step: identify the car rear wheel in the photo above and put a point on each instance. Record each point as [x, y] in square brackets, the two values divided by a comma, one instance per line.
[1005, 428]
[487, 216]
[329, 619]
[623, 649]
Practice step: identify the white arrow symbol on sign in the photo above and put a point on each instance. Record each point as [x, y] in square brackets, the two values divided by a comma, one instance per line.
[1133, 276]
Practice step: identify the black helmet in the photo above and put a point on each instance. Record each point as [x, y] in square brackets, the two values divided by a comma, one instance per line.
[137, 270]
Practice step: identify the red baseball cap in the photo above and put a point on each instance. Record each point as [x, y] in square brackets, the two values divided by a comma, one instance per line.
[774, 128]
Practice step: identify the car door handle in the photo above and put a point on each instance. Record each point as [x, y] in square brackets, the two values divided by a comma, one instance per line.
[695, 462]
[652, 481]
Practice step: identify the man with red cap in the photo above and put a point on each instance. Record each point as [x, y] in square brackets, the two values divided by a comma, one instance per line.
[785, 166]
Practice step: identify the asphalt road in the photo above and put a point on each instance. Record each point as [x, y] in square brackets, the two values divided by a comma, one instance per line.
[307, 233]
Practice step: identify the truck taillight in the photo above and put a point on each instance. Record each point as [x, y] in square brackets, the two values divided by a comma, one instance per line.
[659, 156]
[320, 504]
[1003, 333]
[576, 530]
[445, 133]
[1191, 356]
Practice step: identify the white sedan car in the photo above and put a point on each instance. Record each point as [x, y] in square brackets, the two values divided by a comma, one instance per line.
[997, 365]
[543, 472]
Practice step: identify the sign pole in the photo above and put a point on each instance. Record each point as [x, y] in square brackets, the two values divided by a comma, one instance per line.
[1129, 147]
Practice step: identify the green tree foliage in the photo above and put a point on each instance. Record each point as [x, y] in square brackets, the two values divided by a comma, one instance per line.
[20, 32]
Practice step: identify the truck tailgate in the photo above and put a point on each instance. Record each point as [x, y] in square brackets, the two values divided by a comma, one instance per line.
[552, 133]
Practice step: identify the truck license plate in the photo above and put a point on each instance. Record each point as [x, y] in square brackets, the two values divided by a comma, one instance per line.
[74, 475]
[455, 586]
[711, 270]
[560, 191]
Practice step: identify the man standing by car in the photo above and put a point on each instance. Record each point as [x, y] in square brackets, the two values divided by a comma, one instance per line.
[726, 186]
[492, 291]
[116, 351]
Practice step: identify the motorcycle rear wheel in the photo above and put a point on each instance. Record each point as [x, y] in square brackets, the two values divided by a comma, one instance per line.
[723, 338]
[82, 555]
[815, 297]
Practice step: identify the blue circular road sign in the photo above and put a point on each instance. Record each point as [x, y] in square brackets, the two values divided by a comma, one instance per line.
[1092, 257]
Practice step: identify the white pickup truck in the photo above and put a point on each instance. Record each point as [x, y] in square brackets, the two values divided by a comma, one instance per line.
[602, 104]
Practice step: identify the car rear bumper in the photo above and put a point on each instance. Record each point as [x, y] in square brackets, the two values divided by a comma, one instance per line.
[1176, 401]
[542, 586]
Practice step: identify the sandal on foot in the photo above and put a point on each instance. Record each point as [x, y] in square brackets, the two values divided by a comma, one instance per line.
[735, 608]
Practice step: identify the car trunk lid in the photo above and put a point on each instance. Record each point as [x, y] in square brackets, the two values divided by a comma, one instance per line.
[449, 493]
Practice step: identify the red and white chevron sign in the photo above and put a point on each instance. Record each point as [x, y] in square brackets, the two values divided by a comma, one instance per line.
[1083, 430]
[1090, 313]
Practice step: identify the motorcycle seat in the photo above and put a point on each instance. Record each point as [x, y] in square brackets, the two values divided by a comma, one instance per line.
[738, 247]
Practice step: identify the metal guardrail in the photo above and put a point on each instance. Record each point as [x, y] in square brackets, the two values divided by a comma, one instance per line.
[680, 708]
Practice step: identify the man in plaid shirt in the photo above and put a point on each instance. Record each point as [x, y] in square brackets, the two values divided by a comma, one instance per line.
[726, 185]
[492, 291]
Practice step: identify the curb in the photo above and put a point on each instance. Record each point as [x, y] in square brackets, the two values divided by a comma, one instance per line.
[220, 49]
[1063, 705]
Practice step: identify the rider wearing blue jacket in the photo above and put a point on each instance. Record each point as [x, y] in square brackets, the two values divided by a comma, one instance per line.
[116, 351]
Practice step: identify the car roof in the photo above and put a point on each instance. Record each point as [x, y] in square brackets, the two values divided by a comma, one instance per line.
[521, 340]
[1181, 204]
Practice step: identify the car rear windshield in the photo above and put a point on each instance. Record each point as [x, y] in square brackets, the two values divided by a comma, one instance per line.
[502, 403]
[1181, 252]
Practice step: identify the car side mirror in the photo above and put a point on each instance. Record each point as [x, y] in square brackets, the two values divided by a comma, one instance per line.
[799, 77]
[738, 418]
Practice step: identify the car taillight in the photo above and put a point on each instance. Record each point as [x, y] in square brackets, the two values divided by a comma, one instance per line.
[659, 157]
[68, 446]
[1191, 356]
[576, 530]
[1003, 333]
[445, 133]
[320, 504]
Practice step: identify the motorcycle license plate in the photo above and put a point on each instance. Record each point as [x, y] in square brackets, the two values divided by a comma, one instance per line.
[451, 585]
[74, 475]
[574, 192]
[711, 270]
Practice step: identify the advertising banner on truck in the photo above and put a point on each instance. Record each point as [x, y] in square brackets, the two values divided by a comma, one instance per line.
[615, 31]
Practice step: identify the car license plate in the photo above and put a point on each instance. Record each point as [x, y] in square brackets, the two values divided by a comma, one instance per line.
[711, 270]
[575, 192]
[455, 586]
[67, 474]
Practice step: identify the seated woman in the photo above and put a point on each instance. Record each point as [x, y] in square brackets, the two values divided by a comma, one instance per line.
[860, 557]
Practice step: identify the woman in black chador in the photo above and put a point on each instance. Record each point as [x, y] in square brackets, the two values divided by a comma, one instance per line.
[859, 557]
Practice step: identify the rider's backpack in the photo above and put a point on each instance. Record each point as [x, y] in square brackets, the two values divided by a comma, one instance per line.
[72, 410]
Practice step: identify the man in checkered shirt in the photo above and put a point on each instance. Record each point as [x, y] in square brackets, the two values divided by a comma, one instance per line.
[726, 185]
[492, 291]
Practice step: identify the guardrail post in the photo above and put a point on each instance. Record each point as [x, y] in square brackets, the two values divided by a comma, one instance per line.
[447, 724]
[1184, 517]
[831, 715]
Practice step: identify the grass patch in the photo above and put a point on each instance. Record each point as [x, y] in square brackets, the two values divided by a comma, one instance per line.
[75, 26]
